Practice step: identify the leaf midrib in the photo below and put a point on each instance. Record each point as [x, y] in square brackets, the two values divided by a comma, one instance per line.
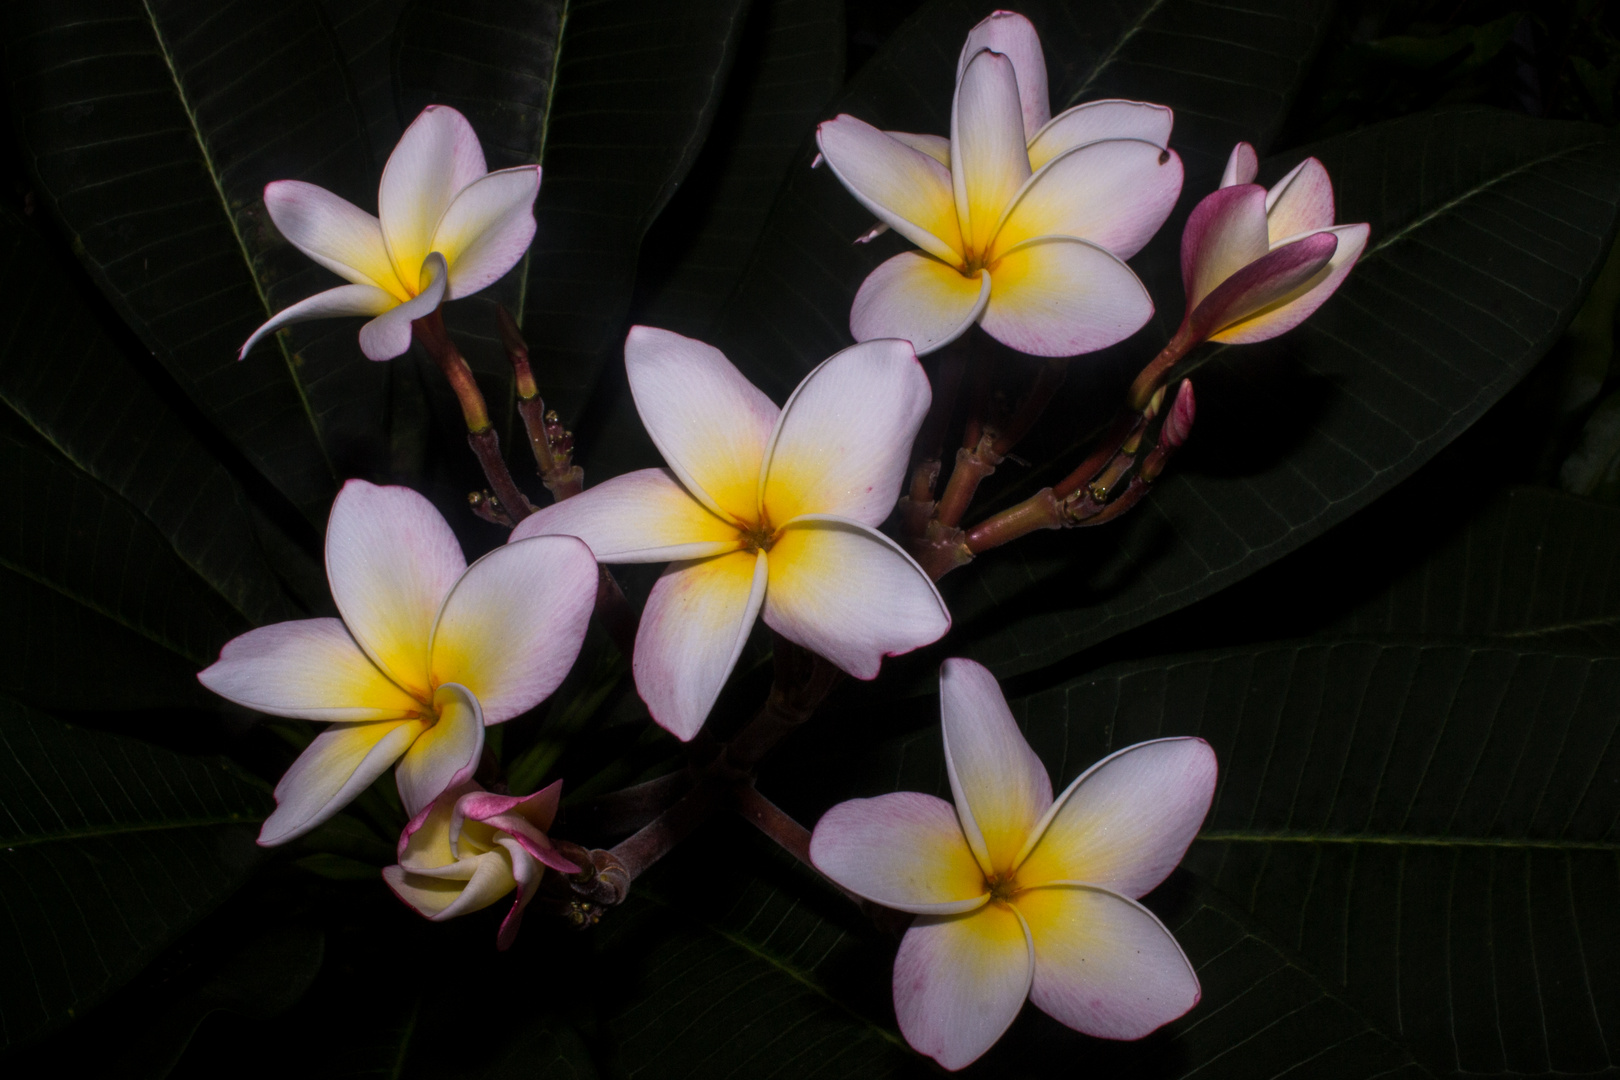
[124, 829]
[1391, 840]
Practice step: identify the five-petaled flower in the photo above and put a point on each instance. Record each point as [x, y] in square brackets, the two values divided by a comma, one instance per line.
[1256, 263]
[446, 227]
[429, 651]
[1018, 895]
[1023, 221]
[761, 508]
[469, 848]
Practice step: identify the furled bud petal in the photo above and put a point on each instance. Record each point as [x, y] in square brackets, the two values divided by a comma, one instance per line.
[1241, 166]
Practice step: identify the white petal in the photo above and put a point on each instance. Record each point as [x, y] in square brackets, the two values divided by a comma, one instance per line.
[343, 300]
[391, 560]
[1001, 788]
[310, 669]
[1104, 965]
[850, 594]
[425, 844]
[1255, 291]
[904, 850]
[488, 878]
[906, 188]
[919, 299]
[643, 516]
[446, 753]
[1125, 823]
[339, 764]
[696, 623]
[1013, 36]
[1241, 166]
[487, 228]
[513, 625]
[1291, 312]
[1058, 296]
[1094, 121]
[960, 981]
[334, 232]
[389, 334]
[843, 441]
[1300, 202]
[711, 424]
[1115, 193]
[937, 147]
[1225, 232]
[436, 157]
[989, 162]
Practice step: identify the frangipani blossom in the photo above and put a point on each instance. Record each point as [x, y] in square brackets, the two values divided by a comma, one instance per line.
[1018, 895]
[761, 509]
[1023, 221]
[1256, 263]
[468, 848]
[428, 652]
[446, 227]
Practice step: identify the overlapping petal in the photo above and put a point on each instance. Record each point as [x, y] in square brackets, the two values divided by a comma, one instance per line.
[389, 334]
[338, 764]
[343, 300]
[311, 669]
[1013, 36]
[467, 885]
[1059, 296]
[334, 232]
[916, 297]
[907, 189]
[436, 157]
[988, 161]
[1300, 202]
[1281, 274]
[1242, 165]
[1093, 121]
[1293, 309]
[643, 516]
[1225, 232]
[446, 752]
[960, 981]
[487, 228]
[1115, 193]
[903, 850]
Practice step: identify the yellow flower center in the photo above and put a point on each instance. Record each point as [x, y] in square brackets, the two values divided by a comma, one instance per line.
[1003, 887]
[758, 537]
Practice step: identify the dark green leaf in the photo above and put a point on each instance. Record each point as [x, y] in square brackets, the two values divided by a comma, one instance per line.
[111, 848]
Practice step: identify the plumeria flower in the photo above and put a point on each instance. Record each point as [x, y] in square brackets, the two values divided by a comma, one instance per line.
[468, 848]
[428, 652]
[445, 227]
[1023, 221]
[1256, 263]
[1018, 895]
[761, 509]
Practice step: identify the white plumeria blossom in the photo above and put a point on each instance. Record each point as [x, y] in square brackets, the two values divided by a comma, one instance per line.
[428, 652]
[761, 509]
[445, 227]
[1024, 219]
[1020, 895]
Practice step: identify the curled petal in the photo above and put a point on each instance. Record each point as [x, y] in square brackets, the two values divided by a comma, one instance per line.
[425, 843]
[696, 623]
[339, 764]
[1115, 193]
[1300, 202]
[907, 189]
[391, 560]
[1292, 310]
[343, 300]
[527, 874]
[1225, 232]
[1058, 296]
[1013, 36]
[1094, 121]
[488, 877]
[843, 440]
[920, 299]
[960, 981]
[487, 228]
[1241, 166]
[850, 594]
[1104, 964]
[988, 160]
[525, 818]
[643, 516]
[436, 157]
[903, 850]
[1125, 823]
[389, 334]
[711, 424]
[1269, 279]
[446, 753]
[513, 624]
[334, 232]
[309, 668]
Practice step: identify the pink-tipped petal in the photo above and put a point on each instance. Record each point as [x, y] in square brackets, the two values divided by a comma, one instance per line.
[960, 981]
[711, 424]
[339, 764]
[389, 334]
[1013, 36]
[514, 623]
[1282, 272]
[470, 885]
[426, 841]
[1125, 823]
[1225, 232]
[920, 299]
[1058, 296]
[1000, 786]
[937, 147]
[310, 669]
[525, 818]
[1300, 202]
[334, 232]
[907, 189]
[1313, 294]
[1104, 964]
[1097, 120]
[843, 441]
[436, 157]
[695, 625]
[643, 516]
[391, 560]
[903, 850]
[1241, 166]
[988, 160]
[446, 753]
[850, 594]
[331, 304]
[1115, 193]
[527, 875]
[487, 228]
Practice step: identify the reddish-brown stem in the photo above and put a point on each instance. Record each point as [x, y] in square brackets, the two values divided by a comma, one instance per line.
[1117, 435]
[650, 843]
[771, 820]
[972, 467]
[1048, 378]
[918, 505]
[487, 446]
[1150, 378]
[803, 679]
[517, 351]
[552, 446]
[1041, 510]
[626, 810]
[430, 331]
